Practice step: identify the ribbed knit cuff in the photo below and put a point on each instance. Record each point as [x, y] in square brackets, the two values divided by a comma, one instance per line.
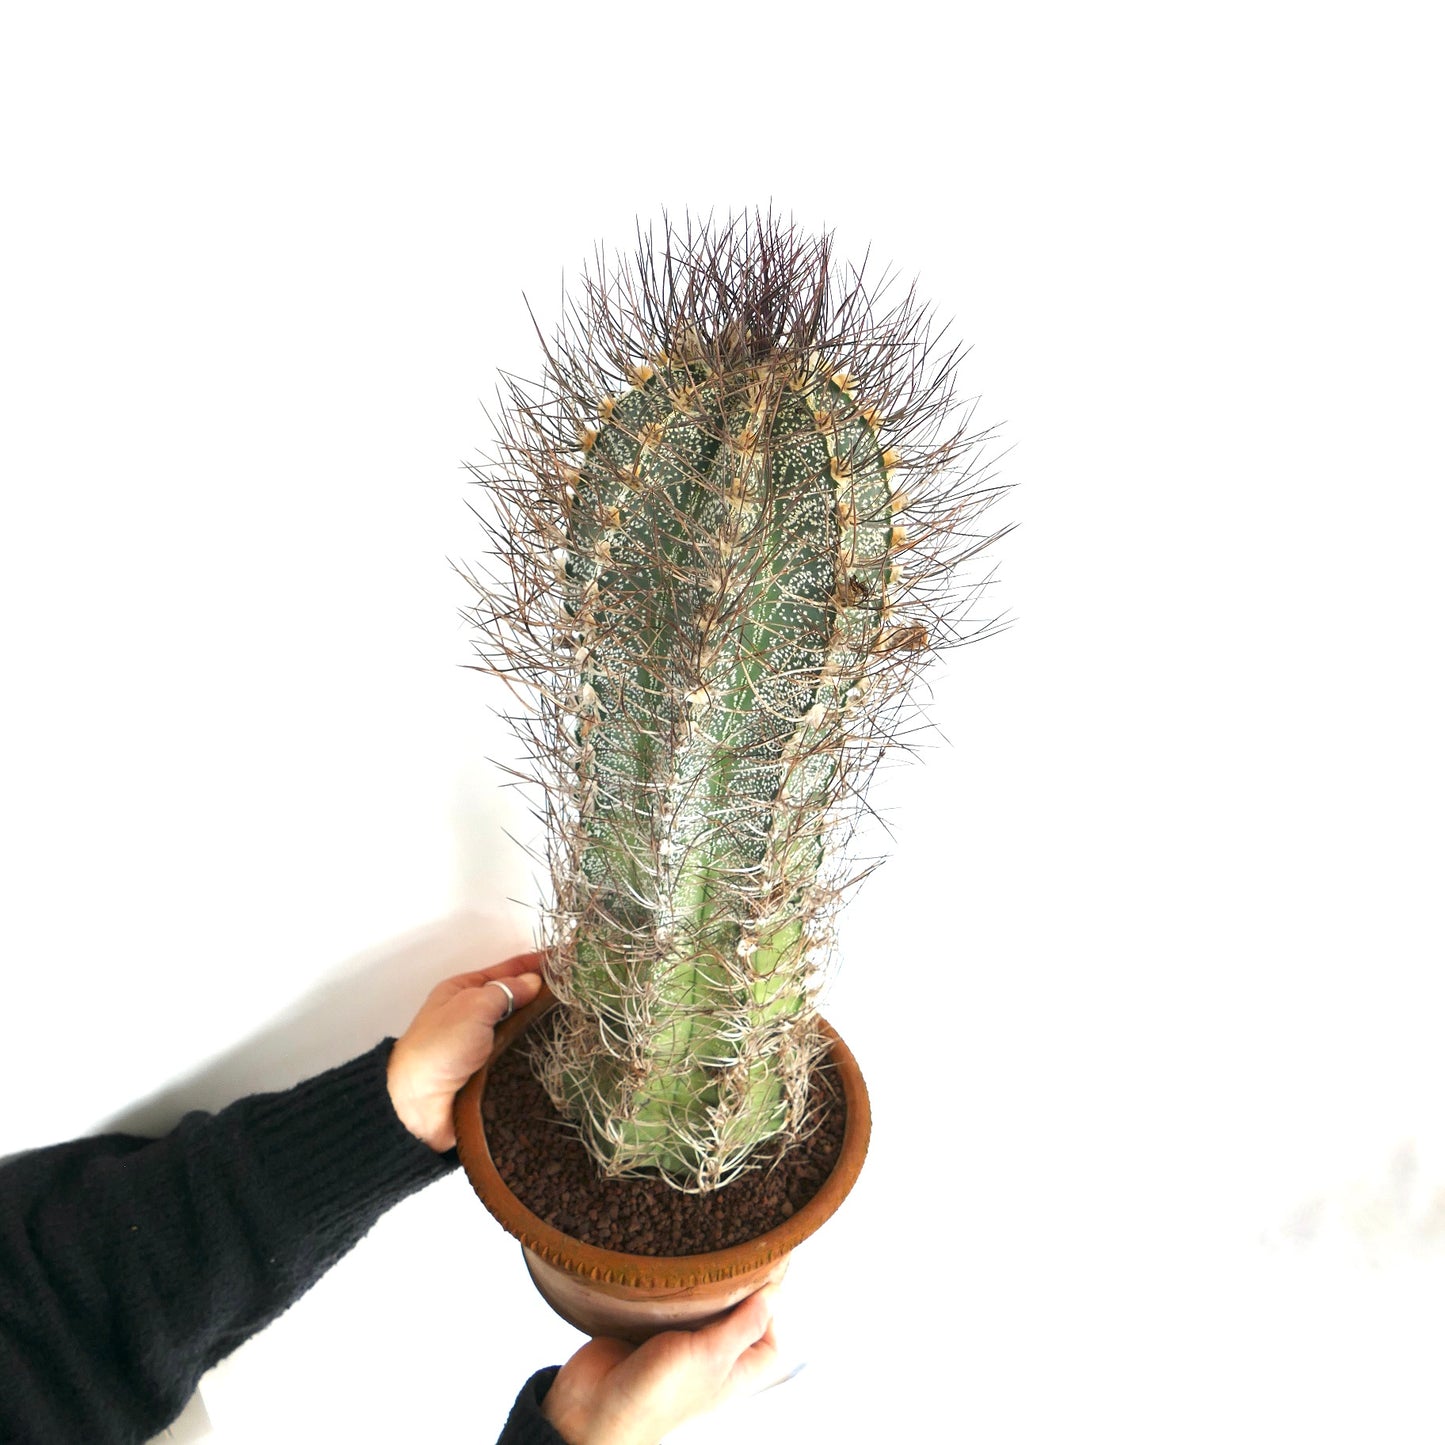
[335, 1153]
[527, 1425]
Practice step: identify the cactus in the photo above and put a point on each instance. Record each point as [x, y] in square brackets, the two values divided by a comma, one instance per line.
[718, 595]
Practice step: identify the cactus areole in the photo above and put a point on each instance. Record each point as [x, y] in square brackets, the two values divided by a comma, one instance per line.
[728, 531]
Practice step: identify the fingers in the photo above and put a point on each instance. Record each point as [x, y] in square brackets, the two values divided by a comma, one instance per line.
[492, 1003]
[758, 1368]
[509, 968]
[518, 963]
[749, 1323]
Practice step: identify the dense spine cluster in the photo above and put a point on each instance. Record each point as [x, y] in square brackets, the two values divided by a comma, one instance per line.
[709, 599]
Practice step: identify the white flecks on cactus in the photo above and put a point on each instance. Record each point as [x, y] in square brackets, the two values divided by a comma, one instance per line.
[733, 654]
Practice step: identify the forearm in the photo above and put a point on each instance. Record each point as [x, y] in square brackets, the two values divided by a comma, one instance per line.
[128, 1267]
[528, 1424]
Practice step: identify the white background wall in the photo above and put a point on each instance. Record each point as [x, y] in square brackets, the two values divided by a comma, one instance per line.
[1146, 997]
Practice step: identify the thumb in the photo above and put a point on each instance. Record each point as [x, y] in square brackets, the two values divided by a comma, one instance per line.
[745, 1326]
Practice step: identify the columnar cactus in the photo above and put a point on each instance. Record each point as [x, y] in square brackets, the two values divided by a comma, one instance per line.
[718, 593]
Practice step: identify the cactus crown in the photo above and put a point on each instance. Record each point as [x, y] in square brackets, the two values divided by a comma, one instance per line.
[727, 531]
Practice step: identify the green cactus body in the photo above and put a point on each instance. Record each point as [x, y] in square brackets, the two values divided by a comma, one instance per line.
[726, 575]
[704, 610]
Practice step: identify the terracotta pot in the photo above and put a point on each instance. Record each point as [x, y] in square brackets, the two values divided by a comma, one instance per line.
[635, 1296]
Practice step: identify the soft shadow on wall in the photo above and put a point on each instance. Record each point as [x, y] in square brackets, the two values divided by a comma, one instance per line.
[351, 1009]
[376, 993]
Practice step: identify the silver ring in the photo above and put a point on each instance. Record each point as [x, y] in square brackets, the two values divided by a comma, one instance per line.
[511, 1000]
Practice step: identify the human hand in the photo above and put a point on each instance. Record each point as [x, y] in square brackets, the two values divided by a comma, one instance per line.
[611, 1393]
[449, 1040]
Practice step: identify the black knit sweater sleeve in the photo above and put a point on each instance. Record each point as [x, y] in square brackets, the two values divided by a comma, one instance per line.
[129, 1266]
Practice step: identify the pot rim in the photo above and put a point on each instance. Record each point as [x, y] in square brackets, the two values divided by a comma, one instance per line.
[645, 1271]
